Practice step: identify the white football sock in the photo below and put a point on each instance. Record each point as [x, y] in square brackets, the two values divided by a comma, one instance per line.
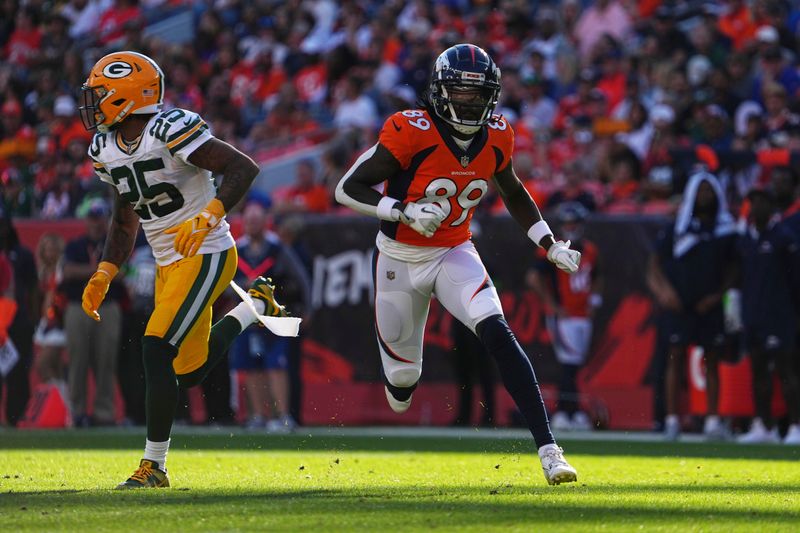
[157, 452]
[245, 315]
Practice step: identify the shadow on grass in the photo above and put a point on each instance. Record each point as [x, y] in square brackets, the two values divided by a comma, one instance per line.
[105, 440]
[400, 490]
[382, 506]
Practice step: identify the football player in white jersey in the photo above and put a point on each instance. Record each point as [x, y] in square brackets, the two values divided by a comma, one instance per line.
[160, 165]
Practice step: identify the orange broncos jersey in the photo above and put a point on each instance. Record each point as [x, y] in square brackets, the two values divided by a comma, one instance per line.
[436, 169]
[572, 291]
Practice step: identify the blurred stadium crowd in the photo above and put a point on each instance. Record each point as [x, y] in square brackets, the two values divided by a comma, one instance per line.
[615, 103]
[609, 99]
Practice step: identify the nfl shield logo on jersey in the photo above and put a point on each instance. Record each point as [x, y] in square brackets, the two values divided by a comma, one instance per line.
[465, 161]
[390, 274]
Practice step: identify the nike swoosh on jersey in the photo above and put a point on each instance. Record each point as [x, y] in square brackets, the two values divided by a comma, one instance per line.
[396, 127]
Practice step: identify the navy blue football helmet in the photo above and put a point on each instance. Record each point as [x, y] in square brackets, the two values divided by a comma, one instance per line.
[465, 86]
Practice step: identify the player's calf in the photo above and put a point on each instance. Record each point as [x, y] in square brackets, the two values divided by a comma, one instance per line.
[518, 375]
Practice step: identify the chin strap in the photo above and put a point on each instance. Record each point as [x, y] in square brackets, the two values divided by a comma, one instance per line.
[467, 130]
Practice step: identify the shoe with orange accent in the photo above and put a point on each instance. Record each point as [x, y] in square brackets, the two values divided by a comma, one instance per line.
[263, 289]
[147, 476]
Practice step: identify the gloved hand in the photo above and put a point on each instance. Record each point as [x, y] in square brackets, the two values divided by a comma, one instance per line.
[95, 291]
[189, 235]
[561, 256]
[425, 219]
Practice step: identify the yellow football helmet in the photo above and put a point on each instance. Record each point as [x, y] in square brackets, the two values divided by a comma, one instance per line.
[121, 84]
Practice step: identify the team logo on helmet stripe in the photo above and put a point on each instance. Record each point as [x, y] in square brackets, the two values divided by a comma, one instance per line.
[117, 69]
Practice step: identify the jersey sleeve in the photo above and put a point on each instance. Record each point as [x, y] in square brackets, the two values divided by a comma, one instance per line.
[95, 152]
[187, 133]
[394, 136]
[101, 171]
[503, 141]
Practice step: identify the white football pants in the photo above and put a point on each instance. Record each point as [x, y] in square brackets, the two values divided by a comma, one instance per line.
[403, 293]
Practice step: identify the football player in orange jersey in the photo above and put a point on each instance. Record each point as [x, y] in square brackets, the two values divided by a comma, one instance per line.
[437, 162]
[572, 298]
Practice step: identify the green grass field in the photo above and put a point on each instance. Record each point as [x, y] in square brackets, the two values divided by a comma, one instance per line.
[222, 482]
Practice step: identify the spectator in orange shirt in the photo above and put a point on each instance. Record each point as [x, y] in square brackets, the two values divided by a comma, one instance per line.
[738, 24]
[18, 140]
[305, 196]
[67, 127]
[625, 174]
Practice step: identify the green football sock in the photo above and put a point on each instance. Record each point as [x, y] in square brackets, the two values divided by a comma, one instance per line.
[223, 333]
[161, 387]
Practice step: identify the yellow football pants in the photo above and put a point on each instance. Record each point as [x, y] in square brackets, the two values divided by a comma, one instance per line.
[185, 292]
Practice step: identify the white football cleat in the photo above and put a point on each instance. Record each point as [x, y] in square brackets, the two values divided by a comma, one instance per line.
[793, 435]
[556, 469]
[396, 405]
[561, 421]
[759, 434]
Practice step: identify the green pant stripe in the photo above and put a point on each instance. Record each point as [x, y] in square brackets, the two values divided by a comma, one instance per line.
[218, 261]
[180, 316]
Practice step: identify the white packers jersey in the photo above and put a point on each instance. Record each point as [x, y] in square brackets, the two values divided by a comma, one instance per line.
[158, 180]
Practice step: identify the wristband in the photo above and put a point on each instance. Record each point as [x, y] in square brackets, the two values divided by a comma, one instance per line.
[109, 269]
[539, 231]
[385, 207]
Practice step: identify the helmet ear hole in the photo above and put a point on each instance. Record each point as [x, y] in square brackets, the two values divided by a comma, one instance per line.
[118, 101]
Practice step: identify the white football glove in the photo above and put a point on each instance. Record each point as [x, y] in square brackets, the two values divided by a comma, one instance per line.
[561, 256]
[425, 219]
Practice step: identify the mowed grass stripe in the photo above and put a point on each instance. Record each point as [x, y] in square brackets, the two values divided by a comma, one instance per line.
[350, 488]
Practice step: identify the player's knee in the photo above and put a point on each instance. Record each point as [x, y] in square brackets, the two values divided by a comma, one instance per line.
[404, 377]
[495, 333]
[485, 304]
[157, 356]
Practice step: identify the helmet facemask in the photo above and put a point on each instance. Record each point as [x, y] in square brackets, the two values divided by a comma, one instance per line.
[92, 114]
[467, 107]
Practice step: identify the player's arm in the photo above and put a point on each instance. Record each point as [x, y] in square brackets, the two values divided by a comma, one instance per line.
[119, 245]
[659, 285]
[358, 190]
[358, 187]
[525, 211]
[238, 172]
[121, 232]
[237, 169]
